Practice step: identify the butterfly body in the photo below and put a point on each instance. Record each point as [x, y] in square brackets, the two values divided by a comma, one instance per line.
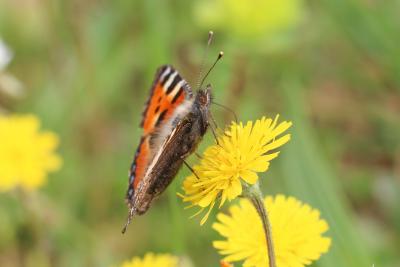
[174, 123]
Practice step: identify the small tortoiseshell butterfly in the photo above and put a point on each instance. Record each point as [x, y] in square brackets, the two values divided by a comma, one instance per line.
[174, 122]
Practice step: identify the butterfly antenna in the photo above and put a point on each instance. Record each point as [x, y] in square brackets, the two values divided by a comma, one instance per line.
[220, 55]
[228, 109]
[210, 37]
[130, 216]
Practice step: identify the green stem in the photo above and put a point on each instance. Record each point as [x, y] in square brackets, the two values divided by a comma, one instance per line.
[176, 218]
[255, 195]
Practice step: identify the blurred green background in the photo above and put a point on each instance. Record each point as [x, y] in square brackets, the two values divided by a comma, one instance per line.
[330, 66]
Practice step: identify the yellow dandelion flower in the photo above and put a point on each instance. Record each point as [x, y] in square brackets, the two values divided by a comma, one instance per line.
[26, 154]
[297, 231]
[153, 260]
[248, 19]
[242, 151]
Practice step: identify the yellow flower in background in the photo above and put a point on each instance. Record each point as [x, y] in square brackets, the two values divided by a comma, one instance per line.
[153, 260]
[297, 231]
[242, 151]
[26, 154]
[254, 18]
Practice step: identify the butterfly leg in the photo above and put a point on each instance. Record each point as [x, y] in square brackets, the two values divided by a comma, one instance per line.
[198, 155]
[214, 134]
[191, 169]
[212, 127]
[213, 120]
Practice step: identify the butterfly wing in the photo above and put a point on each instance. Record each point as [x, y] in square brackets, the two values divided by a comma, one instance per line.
[168, 93]
[165, 164]
[162, 168]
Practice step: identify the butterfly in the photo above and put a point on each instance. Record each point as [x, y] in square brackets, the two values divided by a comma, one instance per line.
[174, 122]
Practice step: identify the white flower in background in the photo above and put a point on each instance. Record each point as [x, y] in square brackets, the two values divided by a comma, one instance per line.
[5, 55]
[9, 85]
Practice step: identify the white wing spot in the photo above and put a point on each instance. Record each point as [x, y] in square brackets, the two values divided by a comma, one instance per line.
[171, 78]
[176, 89]
[165, 73]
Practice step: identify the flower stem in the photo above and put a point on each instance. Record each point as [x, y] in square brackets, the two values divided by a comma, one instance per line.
[255, 195]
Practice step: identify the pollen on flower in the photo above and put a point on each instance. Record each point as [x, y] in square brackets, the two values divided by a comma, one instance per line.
[243, 150]
[26, 155]
[297, 232]
[153, 260]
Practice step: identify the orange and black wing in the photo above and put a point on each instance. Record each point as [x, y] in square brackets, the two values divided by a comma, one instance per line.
[168, 92]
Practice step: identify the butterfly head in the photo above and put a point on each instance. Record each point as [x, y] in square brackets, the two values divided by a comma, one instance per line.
[203, 97]
[202, 103]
